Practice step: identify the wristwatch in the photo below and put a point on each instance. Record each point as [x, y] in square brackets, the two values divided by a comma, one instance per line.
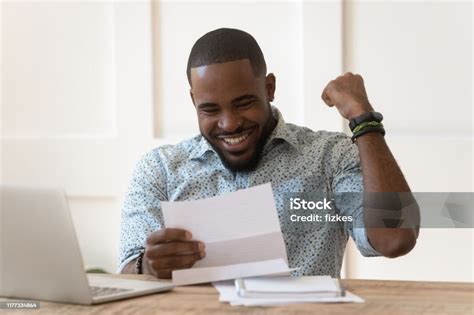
[365, 117]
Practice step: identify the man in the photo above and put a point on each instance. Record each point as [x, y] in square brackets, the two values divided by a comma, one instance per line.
[245, 142]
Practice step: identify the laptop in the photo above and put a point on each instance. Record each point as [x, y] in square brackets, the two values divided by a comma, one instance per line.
[40, 257]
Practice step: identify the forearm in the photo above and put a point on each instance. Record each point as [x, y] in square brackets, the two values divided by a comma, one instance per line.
[381, 174]
[379, 168]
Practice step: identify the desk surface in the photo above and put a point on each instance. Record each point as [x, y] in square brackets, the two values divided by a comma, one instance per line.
[381, 297]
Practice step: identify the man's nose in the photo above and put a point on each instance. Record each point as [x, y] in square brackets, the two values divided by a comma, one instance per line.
[230, 121]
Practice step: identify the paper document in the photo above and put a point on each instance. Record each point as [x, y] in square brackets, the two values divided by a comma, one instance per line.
[203, 274]
[241, 232]
[228, 293]
[288, 287]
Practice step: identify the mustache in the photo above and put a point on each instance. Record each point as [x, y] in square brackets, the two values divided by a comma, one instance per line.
[240, 130]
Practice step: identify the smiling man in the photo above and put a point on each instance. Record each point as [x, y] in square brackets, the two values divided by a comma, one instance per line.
[244, 142]
[233, 113]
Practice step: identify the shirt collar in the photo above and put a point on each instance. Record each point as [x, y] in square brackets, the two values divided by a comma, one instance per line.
[281, 131]
[201, 148]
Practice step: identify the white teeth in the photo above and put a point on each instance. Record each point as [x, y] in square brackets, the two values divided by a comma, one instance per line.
[235, 140]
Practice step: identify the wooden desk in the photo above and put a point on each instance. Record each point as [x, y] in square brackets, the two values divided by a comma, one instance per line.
[381, 297]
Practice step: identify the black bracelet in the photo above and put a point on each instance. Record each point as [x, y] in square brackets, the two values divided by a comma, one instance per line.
[367, 130]
[138, 263]
[369, 116]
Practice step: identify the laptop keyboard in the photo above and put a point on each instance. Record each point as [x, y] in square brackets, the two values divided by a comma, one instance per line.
[99, 291]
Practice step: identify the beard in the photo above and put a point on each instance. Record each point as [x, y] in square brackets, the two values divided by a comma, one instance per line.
[251, 163]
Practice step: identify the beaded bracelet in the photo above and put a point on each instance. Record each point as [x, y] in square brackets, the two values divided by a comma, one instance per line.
[367, 124]
[138, 263]
[368, 129]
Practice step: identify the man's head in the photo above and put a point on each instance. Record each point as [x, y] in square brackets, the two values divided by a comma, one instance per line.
[232, 93]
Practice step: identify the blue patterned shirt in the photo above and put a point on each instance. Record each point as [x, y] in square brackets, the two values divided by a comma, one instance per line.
[294, 159]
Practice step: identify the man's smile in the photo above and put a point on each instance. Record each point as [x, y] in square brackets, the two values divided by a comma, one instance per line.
[237, 142]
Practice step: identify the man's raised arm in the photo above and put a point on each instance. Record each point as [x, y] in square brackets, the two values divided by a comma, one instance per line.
[386, 191]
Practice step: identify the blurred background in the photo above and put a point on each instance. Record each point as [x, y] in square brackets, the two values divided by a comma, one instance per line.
[87, 87]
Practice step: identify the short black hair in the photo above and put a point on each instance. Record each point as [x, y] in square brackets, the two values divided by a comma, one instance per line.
[225, 45]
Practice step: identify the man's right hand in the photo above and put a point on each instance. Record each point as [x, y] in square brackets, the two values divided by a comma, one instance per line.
[170, 249]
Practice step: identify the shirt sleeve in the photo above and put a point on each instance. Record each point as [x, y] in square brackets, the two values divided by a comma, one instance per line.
[348, 185]
[141, 212]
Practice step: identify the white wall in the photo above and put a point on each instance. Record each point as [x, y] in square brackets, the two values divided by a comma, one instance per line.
[416, 58]
[77, 96]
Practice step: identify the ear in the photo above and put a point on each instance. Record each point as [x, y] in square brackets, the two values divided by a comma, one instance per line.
[270, 86]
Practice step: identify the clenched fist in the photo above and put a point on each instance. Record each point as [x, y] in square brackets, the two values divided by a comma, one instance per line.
[348, 94]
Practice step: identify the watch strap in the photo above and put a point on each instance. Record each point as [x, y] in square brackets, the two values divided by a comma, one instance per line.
[365, 117]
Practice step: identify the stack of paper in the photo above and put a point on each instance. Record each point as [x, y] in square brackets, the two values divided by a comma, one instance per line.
[268, 291]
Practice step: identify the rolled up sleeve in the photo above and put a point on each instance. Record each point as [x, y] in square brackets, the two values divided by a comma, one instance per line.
[348, 182]
[141, 212]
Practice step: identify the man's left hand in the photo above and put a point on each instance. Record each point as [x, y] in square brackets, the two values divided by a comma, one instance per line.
[348, 94]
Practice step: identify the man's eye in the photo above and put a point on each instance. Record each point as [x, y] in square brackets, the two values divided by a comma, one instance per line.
[245, 105]
[210, 111]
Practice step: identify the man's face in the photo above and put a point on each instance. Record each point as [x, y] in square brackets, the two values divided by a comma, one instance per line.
[233, 110]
